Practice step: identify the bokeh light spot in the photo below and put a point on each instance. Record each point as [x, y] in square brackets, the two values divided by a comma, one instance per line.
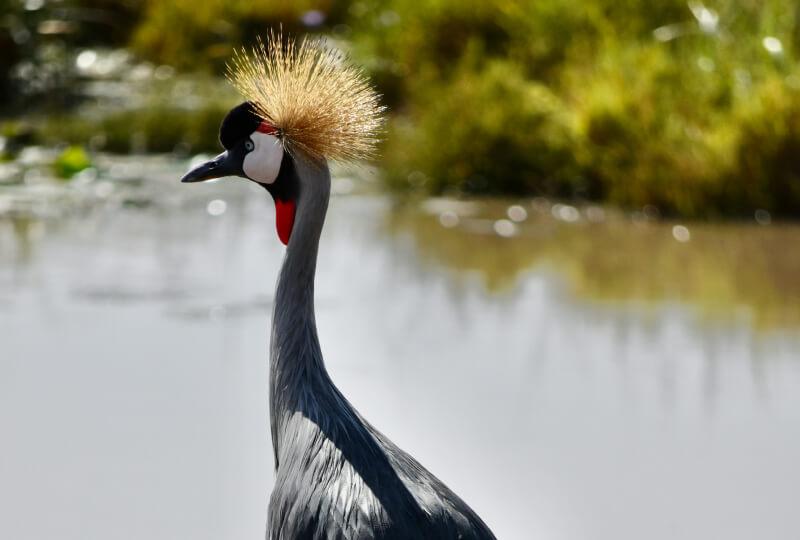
[449, 219]
[505, 228]
[517, 213]
[217, 207]
[681, 233]
[773, 45]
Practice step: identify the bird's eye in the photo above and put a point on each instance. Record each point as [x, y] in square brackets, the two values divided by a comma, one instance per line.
[248, 145]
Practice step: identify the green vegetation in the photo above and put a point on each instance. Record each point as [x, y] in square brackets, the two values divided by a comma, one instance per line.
[161, 116]
[158, 128]
[694, 111]
[692, 108]
[195, 35]
[71, 161]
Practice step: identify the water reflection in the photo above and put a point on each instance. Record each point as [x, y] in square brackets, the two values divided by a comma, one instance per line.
[581, 377]
[723, 271]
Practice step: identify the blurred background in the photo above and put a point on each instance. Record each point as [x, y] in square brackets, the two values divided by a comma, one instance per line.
[569, 285]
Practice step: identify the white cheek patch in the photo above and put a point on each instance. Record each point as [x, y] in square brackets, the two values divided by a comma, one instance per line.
[263, 163]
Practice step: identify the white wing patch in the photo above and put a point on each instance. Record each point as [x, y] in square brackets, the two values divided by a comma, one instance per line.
[263, 163]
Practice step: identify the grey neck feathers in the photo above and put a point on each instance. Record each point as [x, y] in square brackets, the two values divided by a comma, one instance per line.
[297, 372]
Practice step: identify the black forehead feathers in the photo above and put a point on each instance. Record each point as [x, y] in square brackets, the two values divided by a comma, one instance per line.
[240, 122]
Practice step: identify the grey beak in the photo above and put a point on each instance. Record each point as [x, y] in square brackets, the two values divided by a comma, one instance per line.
[225, 164]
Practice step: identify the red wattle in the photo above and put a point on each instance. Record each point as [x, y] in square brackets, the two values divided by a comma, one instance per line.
[266, 127]
[284, 219]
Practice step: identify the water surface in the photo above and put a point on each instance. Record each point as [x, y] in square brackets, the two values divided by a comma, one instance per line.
[588, 377]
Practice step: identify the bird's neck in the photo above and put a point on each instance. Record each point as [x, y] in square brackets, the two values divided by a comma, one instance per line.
[296, 366]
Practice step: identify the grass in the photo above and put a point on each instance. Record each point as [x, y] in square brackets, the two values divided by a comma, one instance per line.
[690, 108]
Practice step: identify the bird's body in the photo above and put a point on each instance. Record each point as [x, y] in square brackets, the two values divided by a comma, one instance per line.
[336, 477]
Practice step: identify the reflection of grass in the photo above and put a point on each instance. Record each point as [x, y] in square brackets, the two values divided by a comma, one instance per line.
[724, 270]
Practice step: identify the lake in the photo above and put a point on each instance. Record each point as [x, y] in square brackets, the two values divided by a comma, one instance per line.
[572, 372]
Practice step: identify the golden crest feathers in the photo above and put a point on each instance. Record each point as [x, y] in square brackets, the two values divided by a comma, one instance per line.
[319, 102]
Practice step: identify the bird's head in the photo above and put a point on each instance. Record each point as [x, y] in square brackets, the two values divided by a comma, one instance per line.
[304, 100]
[253, 151]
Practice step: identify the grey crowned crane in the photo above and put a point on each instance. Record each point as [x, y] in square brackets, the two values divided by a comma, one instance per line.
[337, 477]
